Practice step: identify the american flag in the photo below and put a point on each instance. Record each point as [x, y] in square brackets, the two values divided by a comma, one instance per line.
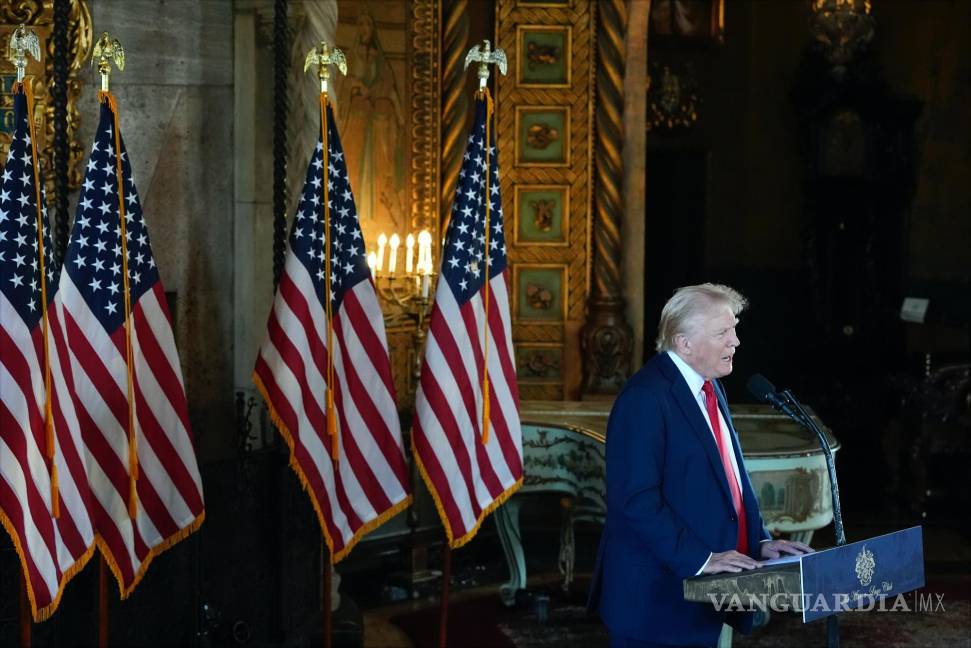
[468, 477]
[368, 481]
[53, 542]
[91, 306]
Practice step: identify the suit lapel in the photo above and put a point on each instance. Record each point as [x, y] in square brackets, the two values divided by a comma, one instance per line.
[689, 406]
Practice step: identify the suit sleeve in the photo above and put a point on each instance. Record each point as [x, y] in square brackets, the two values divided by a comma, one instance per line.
[636, 437]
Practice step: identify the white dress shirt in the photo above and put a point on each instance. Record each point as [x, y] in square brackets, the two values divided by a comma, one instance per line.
[696, 384]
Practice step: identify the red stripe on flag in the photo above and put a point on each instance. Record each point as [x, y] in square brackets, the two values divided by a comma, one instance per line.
[369, 339]
[168, 381]
[298, 305]
[374, 422]
[168, 457]
[437, 476]
[439, 404]
[16, 363]
[10, 433]
[10, 506]
[92, 365]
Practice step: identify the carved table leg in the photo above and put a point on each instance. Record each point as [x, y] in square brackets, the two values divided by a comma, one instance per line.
[507, 522]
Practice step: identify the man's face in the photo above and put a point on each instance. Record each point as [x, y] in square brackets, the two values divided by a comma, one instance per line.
[710, 343]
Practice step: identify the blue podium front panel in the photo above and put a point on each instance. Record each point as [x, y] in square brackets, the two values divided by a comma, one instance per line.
[863, 574]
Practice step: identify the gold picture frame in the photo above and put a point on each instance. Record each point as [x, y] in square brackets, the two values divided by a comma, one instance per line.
[544, 56]
[549, 224]
[542, 136]
[529, 302]
[539, 363]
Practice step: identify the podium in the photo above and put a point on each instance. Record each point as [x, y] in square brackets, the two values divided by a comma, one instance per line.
[860, 575]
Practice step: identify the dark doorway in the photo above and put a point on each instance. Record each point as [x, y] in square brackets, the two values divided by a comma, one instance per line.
[674, 213]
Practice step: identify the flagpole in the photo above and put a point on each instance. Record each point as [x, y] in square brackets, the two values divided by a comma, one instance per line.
[102, 603]
[443, 608]
[323, 56]
[326, 597]
[25, 620]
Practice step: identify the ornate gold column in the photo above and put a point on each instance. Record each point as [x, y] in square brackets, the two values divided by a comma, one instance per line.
[607, 339]
[455, 101]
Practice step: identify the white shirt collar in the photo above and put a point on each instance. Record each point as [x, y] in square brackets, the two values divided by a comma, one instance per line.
[694, 379]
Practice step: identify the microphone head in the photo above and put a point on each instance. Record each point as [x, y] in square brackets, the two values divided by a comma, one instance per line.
[760, 387]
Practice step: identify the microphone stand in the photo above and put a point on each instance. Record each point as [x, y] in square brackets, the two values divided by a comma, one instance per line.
[804, 419]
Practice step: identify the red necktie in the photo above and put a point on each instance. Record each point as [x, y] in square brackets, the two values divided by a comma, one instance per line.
[724, 450]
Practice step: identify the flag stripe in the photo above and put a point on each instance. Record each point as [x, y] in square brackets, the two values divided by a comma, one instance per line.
[154, 334]
[19, 472]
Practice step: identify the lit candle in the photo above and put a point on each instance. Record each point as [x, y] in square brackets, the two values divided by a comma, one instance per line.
[382, 241]
[425, 282]
[424, 252]
[409, 252]
[394, 241]
[372, 261]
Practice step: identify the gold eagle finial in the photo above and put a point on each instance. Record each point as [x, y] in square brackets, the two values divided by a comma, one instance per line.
[485, 55]
[22, 42]
[106, 50]
[323, 56]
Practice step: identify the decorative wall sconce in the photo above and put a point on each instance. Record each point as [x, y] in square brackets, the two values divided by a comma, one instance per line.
[672, 98]
[842, 29]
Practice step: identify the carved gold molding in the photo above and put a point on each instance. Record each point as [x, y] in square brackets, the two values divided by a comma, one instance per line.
[425, 107]
[572, 173]
[455, 101]
[40, 16]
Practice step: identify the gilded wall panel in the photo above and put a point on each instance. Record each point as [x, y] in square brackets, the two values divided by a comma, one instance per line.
[544, 129]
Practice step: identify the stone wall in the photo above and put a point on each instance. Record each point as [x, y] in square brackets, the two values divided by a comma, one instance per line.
[176, 108]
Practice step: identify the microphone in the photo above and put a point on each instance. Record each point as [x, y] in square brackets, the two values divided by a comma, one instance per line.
[760, 387]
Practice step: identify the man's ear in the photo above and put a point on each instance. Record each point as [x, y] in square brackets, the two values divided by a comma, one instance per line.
[682, 343]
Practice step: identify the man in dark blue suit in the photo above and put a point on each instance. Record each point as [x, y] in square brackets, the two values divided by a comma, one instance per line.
[679, 502]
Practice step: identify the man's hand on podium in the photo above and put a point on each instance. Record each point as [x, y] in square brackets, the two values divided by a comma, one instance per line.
[729, 561]
[778, 548]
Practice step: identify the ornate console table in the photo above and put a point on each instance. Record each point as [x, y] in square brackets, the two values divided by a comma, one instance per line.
[564, 454]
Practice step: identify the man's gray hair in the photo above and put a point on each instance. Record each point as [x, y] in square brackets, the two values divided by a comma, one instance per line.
[688, 302]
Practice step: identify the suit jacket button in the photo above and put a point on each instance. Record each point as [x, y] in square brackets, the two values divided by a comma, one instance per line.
[732, 518]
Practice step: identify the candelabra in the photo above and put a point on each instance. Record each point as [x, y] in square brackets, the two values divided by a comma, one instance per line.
[405, 295]
[406, 304]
